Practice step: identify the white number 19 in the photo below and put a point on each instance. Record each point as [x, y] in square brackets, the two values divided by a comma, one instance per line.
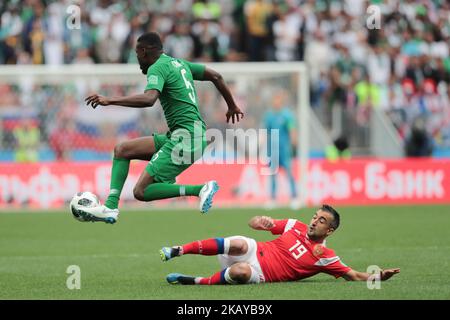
[299, 250]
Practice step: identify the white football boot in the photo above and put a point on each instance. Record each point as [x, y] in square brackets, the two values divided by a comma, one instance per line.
[100, 213]
[206, 195]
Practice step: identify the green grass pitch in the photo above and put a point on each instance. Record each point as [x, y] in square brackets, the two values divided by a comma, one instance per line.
[121, 261]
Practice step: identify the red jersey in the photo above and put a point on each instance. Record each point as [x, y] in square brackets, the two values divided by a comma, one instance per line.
[293, 256]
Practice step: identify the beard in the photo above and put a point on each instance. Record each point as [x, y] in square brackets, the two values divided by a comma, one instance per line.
[144, 67]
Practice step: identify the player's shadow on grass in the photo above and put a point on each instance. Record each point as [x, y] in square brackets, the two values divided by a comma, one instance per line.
[316, 281]
[302, 281]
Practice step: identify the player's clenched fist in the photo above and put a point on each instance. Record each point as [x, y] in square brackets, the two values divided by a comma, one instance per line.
[261, 223]
[95, 100]
[265, 223]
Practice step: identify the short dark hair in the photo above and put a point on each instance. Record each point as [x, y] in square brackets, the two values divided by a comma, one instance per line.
[336, 218]
[152, 40]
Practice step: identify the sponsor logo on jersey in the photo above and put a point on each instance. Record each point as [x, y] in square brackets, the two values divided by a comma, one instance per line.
[153, 79]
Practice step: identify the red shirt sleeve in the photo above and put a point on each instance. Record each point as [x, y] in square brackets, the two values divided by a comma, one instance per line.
[279, 226]
[332, 264]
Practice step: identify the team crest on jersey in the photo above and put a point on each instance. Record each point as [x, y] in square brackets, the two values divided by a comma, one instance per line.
[153, 79]
[318, 250]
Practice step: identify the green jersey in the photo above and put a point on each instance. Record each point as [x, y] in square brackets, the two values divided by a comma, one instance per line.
[174, 79]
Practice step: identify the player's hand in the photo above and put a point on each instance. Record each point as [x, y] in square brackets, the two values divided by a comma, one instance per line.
[388, 273]
[266, 222]
[95, 100]
[234, 113]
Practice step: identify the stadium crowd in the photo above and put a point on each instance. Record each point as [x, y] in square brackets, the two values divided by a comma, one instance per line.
[402, 67]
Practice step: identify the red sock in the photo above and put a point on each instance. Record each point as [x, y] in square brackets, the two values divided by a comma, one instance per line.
[217, 278]
[208, 247]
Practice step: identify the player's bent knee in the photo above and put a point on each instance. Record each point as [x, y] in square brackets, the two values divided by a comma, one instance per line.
[240, 272]
[138, 194]
[120, 151]
[238, 247]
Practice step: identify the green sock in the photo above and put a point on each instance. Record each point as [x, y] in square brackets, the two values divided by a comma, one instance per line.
[119, 173]
[157, 191]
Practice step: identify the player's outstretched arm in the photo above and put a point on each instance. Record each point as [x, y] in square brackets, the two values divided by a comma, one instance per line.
[233, 113]
[261, 223]
[354, 275]
[144, 100]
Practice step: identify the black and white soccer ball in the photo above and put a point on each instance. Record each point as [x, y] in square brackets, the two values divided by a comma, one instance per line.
[80, 201]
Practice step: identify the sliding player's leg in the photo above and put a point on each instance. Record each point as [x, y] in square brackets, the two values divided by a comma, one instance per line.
[239, 262]
[234, 246]
[140, 148]
[238, 273]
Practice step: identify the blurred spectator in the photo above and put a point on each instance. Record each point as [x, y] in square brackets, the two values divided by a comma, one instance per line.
[54, 34]
[340, 149]
[206, 33]
[239, 21]
[36, 38]
[82, 57]
[205, 9]
[79, 39]
[286, 32]
[317, 55]
[11, 26]
[419, 143]
[34, 33]
[136, 29]
[27, 139]
[180, 43]
[368, 96]
[63, 139]
[379, 65]
[256, 12]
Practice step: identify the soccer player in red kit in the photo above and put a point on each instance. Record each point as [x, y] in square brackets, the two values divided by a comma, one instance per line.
[299, 252]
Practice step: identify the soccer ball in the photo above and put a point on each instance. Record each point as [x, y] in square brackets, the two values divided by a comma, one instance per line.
[82, 200]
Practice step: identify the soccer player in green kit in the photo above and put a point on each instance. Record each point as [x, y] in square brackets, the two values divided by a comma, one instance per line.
[172, 81]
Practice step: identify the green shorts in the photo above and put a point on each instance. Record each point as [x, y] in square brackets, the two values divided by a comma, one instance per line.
[174, 154]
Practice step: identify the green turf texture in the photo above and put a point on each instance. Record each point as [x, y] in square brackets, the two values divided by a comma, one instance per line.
[121, 261]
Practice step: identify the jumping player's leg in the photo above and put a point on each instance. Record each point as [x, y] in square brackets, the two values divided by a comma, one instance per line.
[157, 181]
[146, 189]
[141, 149]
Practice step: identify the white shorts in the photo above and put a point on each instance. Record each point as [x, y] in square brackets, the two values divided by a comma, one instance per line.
[250, 257]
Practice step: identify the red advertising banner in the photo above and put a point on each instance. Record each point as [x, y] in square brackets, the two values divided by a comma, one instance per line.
[352, 182]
